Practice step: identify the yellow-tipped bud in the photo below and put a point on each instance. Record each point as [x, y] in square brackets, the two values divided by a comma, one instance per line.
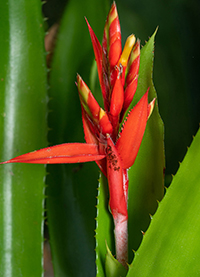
[127, 50]
[83, 89]
[135, 53]
[101, 113]
[104, 122]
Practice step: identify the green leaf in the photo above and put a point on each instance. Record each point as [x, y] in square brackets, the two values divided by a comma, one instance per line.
[72, 188]
[171, 245]
[104, 227]
[146, 180]
[23, 129]
[113, 267]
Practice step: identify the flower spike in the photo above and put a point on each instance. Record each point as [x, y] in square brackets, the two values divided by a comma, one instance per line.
[114, 153]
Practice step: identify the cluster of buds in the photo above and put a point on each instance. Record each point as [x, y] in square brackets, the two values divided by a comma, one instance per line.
[113, 150]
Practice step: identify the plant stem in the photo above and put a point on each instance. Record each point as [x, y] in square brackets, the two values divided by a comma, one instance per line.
[121, 239]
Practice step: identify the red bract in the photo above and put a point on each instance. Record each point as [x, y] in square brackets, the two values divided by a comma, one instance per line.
[114, 151]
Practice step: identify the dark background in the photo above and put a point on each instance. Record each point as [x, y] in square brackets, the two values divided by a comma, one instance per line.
[176, 67]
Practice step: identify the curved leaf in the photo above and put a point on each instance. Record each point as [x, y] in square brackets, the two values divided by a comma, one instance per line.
[146, 180]
[171, 245]
[104, 227]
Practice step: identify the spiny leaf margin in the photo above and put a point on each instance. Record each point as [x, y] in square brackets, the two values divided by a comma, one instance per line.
[173, 235]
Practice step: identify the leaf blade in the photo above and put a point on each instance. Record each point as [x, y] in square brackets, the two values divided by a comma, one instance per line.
[146, 189]
[104, 227]
[175, 226]
[23, 92]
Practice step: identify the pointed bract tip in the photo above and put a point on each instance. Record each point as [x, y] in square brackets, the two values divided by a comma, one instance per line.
[88, 24]
[62, 153]
[6, 162]
[82, 88]
[113, 6]
[78, 77]
[102, 113]
[151, 107]
[104, 122]
[136, 49]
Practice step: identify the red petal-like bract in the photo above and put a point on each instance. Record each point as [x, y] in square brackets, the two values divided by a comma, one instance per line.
[133, 63]
[116, 104]
[98, 55]
[90, 131]
[94, 115]
[87, 99]
[132, 76]
[132, 133]
[117, 98]
[90, 138]
[62, 153]
[114, 30]
[111, 48]
[129, 94]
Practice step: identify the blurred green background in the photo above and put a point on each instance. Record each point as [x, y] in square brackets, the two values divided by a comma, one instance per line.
[176, 67]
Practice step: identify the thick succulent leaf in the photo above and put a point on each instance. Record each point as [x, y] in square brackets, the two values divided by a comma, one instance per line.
[104, 227]
[72, 189]
[22, 128]
[146, 180]
[171, 245]
[61, 153]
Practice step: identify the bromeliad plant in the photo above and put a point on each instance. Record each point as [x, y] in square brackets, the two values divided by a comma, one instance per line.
[170, 245]
[113, 135]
